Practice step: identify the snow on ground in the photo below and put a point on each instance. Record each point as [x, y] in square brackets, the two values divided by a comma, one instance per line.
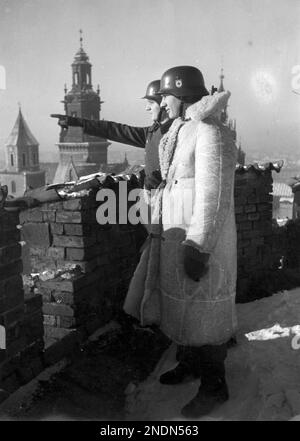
[263, 370]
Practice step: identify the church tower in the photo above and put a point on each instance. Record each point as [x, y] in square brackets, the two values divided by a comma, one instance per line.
[231, 123]
[82, 153]
[22, 169]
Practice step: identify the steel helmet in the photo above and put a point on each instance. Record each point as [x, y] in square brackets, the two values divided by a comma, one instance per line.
[183, 81]
[151, 91]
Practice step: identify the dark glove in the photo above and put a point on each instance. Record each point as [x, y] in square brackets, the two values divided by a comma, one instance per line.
[195, 263]
[153, 180]
[65, 121]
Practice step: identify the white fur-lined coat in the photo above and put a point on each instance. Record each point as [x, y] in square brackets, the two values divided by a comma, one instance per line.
[197, 210]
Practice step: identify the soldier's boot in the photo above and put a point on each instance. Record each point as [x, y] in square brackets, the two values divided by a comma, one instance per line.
[177, 375]
[184, 369]
[213, 390]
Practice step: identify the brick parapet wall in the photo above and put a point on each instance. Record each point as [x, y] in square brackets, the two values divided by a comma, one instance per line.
[20, 316]
[253, 207]
[65, 234]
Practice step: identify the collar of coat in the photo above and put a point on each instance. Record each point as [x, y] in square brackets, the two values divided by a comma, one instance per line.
[208, 106]
[164, 127]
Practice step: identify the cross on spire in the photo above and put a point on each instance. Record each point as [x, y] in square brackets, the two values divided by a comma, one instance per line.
[81, 39]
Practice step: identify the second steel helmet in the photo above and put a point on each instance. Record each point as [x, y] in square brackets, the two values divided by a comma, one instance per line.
[151, 91]
[183, 81]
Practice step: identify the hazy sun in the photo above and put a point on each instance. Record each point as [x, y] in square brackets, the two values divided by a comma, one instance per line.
[264, 86]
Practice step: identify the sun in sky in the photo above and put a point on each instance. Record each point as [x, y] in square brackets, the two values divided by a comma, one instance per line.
[264, 86]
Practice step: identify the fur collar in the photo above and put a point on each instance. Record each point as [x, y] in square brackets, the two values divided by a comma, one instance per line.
[210, 105]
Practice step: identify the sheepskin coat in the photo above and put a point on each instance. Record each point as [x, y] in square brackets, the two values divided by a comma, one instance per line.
[195, 208]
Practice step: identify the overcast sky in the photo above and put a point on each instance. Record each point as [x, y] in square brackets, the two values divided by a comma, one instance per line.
[131, 42]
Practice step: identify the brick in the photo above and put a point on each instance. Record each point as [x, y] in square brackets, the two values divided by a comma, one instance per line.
[52, 206]
[258, 242]
[266, 215]
[243, 243]
[37, 251]
[12, 317]
[66, 322]
[49, 216]
[251, 234]
[36, 234]
[55, 332]
[241, 218]
[243, 226]
[71, 285]
[73, 241]
[11, 300]
[57, 228]
[239, 209]
[78, 229]
[9, 219]
[82, 253]
[10, 237]
[38, 264]
[253, 216]
[10, 284]
[266, 198]
[49, 320]
[253, 199]
[264, 207]
[263, 225]
[79, 204]
[56, 253]
[250, 208]
[11, 269]
[33, 303]
[70, 217]
[10, 253]
[31, 215]
[58, 309]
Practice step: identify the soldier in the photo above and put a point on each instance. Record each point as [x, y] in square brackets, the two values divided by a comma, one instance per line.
[144, 137]
[187, 274]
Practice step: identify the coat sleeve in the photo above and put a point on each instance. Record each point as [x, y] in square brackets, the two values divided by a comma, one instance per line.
[135, 136]
[215, 161]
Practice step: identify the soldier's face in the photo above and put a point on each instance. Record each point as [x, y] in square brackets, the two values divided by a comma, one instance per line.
[153, 108]
[171, 105]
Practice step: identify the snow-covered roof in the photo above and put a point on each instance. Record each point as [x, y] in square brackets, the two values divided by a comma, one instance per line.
[282, 190]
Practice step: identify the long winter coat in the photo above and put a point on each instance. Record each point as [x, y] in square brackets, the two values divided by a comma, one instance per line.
[143, 137]
[198, 211]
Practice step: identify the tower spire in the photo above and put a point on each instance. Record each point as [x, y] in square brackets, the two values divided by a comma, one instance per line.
[81, 38]
[222, 76]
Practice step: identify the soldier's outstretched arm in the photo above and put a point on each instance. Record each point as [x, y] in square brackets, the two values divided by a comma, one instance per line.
[135, 136]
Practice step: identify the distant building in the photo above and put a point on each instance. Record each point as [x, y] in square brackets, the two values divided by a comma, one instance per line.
[80, 154]
[22, 168]
[230, 123]
[294, 184]
[282, 201]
